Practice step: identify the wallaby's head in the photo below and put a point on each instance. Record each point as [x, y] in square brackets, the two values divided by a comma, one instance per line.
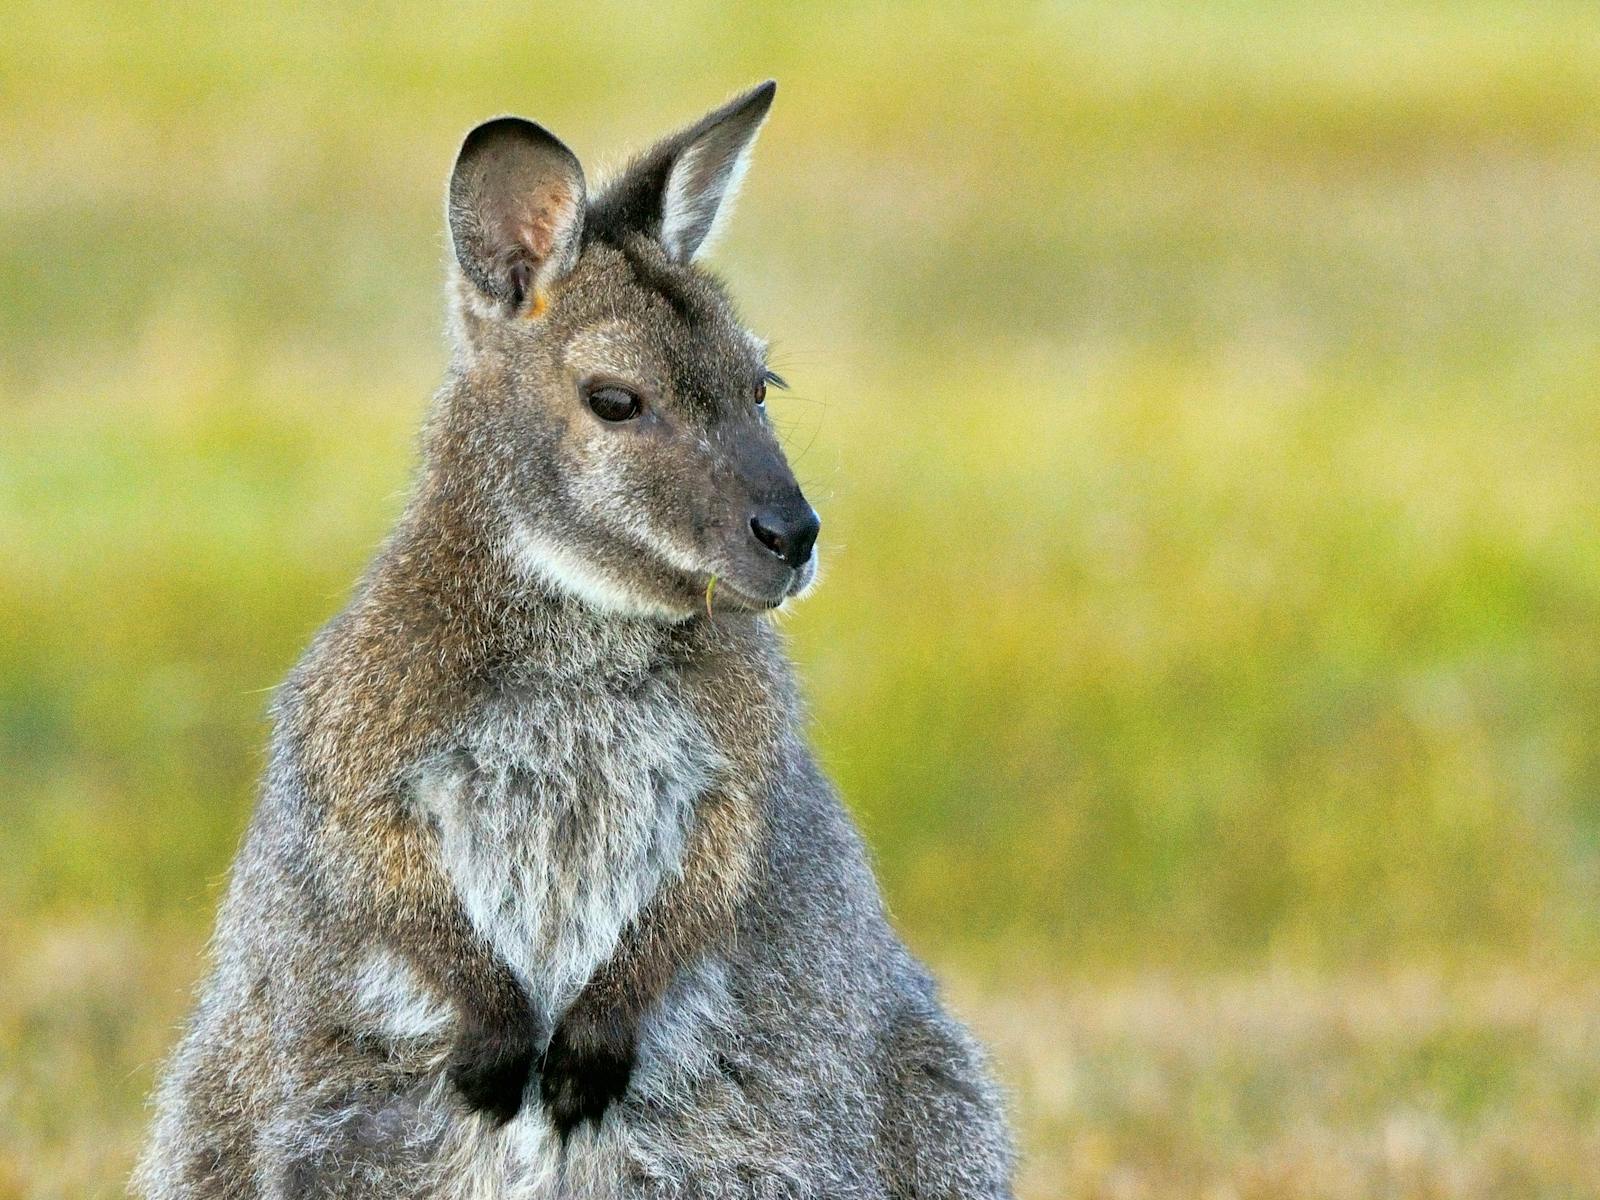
[609, 405]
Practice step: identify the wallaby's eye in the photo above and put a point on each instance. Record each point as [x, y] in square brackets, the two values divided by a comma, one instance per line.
[612, 403]
[762, 380]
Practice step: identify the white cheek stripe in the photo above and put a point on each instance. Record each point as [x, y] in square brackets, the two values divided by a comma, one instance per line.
[537, 555]
[596, 490]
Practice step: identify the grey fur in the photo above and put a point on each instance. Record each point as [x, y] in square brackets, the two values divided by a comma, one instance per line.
[550, 731]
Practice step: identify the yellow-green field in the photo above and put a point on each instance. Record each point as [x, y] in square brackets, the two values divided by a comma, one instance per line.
[1203, 403]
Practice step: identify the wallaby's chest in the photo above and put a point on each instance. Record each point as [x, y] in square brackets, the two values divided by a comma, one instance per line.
[561, 813]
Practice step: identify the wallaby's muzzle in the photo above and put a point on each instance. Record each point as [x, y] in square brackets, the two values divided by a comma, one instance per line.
[775, 531]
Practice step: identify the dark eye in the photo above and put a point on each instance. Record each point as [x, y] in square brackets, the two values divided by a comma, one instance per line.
[762, 380]
[612, 403]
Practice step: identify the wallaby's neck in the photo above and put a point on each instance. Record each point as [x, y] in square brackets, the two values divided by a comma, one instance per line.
[449, 572]
[443, 620]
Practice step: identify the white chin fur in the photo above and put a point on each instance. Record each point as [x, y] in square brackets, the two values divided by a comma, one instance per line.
[540, 557]
[814, 577]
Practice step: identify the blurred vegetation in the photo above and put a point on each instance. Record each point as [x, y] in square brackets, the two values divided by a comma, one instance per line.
[1203, 401]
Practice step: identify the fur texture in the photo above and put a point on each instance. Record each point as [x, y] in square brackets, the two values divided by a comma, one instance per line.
[544, 895]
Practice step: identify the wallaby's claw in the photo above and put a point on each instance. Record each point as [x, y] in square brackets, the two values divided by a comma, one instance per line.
[491, 1069]
[586, 1069]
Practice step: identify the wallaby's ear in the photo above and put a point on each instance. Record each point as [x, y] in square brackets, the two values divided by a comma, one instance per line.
[516, 209]
[707, 171]
[678, 191]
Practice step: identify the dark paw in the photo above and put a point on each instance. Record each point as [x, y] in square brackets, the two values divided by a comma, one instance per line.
[490, 1067]
[586, 1069]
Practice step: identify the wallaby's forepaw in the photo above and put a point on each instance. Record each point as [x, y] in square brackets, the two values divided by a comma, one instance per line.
[587, 1067]
[490, 1067]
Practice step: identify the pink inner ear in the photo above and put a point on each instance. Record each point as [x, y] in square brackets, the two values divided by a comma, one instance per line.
[542, 220]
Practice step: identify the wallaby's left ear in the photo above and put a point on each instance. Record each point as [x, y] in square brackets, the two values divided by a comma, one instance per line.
[680, 190]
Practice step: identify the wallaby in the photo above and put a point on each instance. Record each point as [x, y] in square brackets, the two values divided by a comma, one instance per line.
[544, 894]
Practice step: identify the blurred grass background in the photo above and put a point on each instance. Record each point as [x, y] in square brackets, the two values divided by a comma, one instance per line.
[1202, 400]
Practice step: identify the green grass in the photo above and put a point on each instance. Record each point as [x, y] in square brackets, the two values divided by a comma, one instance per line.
[1415, 1085]
[1200, 398]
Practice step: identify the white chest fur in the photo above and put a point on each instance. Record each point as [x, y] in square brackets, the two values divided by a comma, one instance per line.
[562, 812]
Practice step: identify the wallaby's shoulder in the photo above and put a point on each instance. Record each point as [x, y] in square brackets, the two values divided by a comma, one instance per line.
[397, 669]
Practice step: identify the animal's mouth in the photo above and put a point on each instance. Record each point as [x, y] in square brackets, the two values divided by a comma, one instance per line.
[805, 578]
[722, 589]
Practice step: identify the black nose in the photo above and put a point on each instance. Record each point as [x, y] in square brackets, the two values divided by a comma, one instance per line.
[787, 532]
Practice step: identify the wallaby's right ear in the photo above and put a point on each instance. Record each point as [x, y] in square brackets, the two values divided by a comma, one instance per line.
[515, 210]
